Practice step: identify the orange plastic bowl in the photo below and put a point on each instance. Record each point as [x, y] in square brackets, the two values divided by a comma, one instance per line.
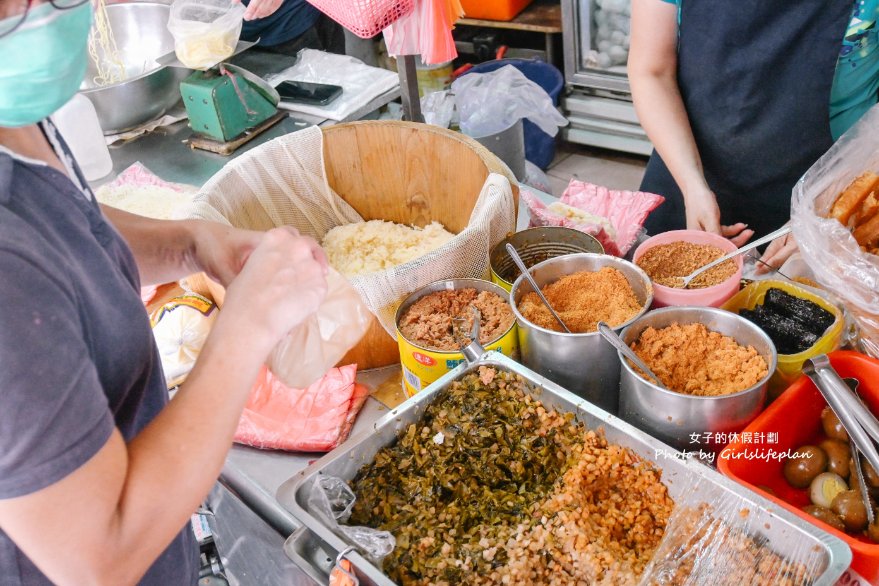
[795, 418]
[713, 296]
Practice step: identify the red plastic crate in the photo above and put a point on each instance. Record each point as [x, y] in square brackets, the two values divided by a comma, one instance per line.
[796, 417]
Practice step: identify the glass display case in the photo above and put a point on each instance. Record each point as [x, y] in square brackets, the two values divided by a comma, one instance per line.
[599, 103]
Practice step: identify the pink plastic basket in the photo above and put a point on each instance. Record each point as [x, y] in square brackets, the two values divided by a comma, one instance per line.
[364, 18]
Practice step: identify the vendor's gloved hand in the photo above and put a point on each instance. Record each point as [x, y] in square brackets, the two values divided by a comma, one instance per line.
[261, 8]
[777, 253]
[283, 281]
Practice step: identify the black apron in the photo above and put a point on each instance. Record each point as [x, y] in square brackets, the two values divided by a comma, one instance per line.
[755, 77]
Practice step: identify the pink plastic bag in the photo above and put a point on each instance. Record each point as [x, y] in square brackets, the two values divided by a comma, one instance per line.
[621, 213]
[316, 419]
[425, 31]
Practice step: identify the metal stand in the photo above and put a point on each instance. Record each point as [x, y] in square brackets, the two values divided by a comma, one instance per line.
[409, 88]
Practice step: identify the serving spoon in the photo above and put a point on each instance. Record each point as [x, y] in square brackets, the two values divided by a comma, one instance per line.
[611, 336]
[511, 250]
[783, 231]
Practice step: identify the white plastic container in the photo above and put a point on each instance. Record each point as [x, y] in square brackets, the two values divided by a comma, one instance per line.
[78, 124]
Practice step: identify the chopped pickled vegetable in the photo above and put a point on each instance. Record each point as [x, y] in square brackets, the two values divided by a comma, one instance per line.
[514, 493]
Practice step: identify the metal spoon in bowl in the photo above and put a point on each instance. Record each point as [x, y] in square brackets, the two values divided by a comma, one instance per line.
[784, 230]
[611, 336]
[511, 250]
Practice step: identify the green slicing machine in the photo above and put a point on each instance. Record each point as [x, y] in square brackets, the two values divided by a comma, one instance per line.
[227, 106]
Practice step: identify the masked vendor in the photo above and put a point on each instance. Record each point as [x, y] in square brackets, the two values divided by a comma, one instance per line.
[740, 99]
[99, 474]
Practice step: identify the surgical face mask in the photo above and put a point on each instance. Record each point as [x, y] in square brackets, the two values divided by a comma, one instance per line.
[43, 62]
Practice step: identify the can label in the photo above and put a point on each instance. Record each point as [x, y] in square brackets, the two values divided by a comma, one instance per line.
[423, 359]
[410, 381]
[421, 367]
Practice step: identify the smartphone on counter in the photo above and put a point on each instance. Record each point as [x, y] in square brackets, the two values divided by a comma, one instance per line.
[303, 92]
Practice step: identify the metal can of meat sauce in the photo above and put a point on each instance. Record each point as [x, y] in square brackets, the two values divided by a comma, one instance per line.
[536, 245]
[422, 366]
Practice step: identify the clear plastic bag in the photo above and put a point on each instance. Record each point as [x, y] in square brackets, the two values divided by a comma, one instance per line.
[729, 542]
[315, 345]
[828, 247]
[438, 108]
[490, 103]
[331, 500]
[360, 83]
[205, 31]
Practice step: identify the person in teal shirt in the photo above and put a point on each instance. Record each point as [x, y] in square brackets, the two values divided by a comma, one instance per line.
[740, 99]
[856, 83]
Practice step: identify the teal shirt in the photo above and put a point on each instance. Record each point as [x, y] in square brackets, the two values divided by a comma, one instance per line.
[856, 82]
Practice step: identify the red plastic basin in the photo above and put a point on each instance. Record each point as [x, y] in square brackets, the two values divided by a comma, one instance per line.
[796, 419]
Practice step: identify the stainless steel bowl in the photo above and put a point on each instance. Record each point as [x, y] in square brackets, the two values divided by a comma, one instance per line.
[673, 417]
[585, 364]
[141, 33]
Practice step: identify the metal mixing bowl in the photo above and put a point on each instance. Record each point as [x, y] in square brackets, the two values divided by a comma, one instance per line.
[585, 364]
[141, 33]
[672, 417]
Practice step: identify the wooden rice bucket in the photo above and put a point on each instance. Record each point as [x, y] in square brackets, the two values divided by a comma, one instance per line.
[401, 172]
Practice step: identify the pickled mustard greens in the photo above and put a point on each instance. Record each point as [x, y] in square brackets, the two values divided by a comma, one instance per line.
[466, 476]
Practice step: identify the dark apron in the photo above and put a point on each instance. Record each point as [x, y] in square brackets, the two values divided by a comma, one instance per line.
[755, 77]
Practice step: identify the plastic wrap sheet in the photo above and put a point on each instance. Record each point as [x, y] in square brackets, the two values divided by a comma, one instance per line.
[828, 247]
[360, 83]
[331, 500]
[490, 103]
[316, 419]
[618, 215]
[714, 538]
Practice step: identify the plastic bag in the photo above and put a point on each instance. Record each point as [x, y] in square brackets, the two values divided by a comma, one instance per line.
[426, 31]
[536, 178]
[715, 537]
[315, 345]
[360, 83]
[438, 108]
[181, 327]
[205, 31]
[828, 247]
[331, 500]
[314, 419]
[614, 217]
[492, 102]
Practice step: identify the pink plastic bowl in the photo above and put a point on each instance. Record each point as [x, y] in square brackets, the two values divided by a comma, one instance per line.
[713, 296]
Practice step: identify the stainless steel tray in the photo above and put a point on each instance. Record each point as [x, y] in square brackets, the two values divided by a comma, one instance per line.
[319, 546]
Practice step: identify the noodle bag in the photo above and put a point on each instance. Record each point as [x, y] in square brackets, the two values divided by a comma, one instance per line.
[205, 31]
